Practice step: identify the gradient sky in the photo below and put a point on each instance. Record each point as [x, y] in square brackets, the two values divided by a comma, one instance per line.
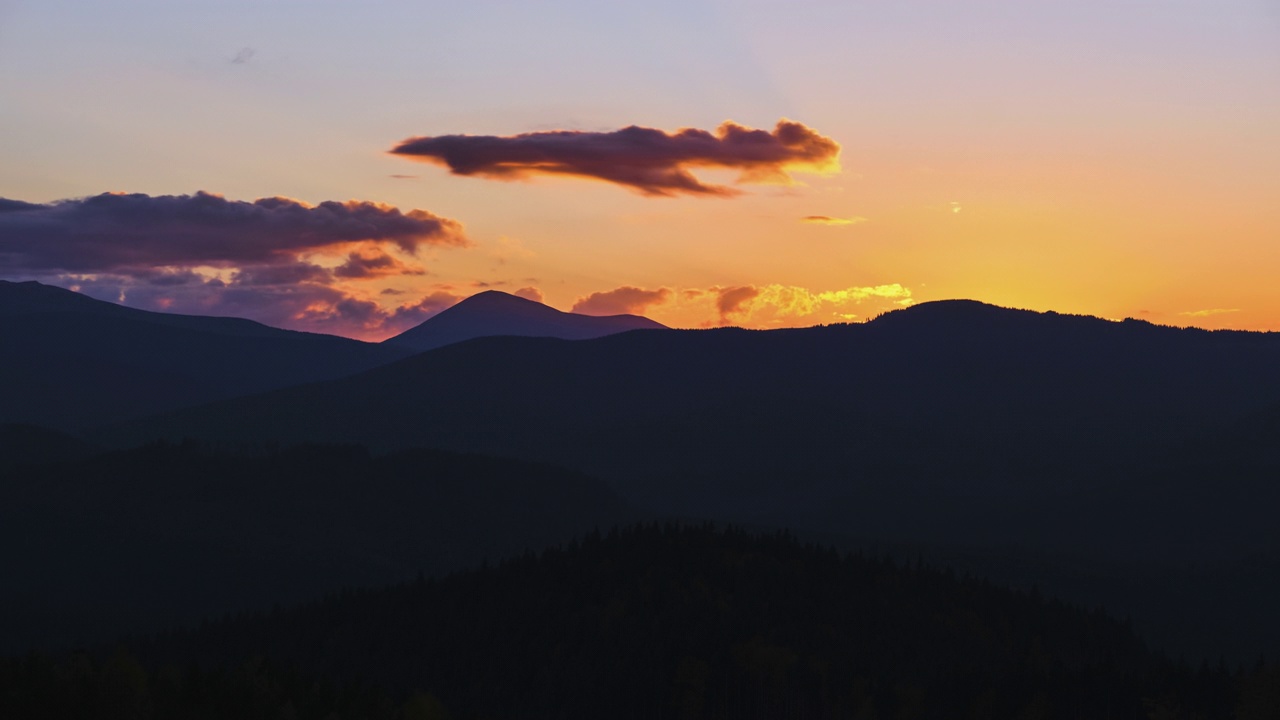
[1116, 158]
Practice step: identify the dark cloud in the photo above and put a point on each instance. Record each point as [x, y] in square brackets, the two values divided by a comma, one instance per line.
[650, 161]
[274, 260]
[620, 301]
[7, 205]
[374, 263]
[112, 232]
[529, 293]
[730, 300]
[284, 274]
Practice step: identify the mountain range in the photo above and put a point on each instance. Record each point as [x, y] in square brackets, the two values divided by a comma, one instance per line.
[71, 362]
[1112, 462]
[1122, 463]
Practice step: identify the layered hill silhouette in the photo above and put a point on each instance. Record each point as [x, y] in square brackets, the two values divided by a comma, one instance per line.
[69, 361]
[497, 313]
[1029, 440]
[167, 535]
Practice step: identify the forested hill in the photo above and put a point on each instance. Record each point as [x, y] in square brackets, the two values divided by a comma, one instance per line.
[676, 622]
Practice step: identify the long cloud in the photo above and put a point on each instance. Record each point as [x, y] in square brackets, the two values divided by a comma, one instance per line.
[625, 300]
[115, 231]
[650, 161]
[276, 260]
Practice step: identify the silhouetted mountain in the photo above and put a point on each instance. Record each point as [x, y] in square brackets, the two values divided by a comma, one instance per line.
[951, 425]
[683, 622]
[497, 313]
[169, 534]
[69, 361]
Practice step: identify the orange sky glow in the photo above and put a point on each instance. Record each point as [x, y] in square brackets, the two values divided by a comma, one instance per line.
[759, 168]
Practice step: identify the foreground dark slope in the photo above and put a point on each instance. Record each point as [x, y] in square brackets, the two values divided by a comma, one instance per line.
[680, 622]
[1104, 457]
[69, 361]
[161, 535]
[493, 313]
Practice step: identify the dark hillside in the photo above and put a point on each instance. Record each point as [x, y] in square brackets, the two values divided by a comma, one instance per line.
[168, 534]
[69, 361]
[697, 623]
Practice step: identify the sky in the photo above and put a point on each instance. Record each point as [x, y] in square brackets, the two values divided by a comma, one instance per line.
[354, 168]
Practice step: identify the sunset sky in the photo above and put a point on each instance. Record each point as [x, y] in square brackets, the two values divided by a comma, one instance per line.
[701, 162]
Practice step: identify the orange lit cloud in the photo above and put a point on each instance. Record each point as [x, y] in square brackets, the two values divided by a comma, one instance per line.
[529, 293]
[649, 161]
[733, 301]
[828, 220]
[621, 301]
[787, 305]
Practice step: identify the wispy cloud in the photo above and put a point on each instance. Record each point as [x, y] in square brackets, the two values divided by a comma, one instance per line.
[650, 161]
[829, 220]
[1209, 313]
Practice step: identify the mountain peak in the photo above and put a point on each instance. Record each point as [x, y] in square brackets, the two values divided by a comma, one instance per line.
[494, 312]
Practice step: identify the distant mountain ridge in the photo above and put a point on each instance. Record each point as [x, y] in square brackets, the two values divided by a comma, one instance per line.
[68, 361]
[493, 313]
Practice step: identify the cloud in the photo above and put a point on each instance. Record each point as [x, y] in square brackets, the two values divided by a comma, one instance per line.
[529, 293]
[243, 56]
[733, 300]
[278, 261]
[621, 301]
[115, 231]
[1209, 313]
[778, 305]
[373, 263]
[408, 315]
[828, 220]
[646, 160]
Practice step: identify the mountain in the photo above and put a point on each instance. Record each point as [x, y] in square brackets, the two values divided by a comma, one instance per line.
[1029, 445]
[497, 313]
[166, 534]
[69, 361]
